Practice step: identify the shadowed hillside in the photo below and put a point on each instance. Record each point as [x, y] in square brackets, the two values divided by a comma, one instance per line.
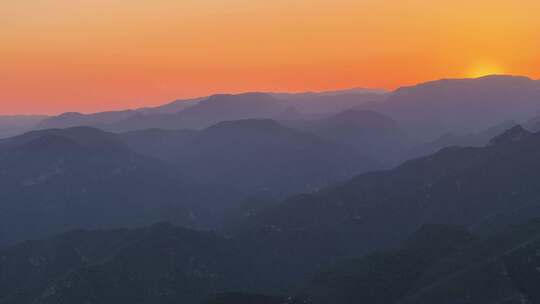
[56, 180]
[254, 155]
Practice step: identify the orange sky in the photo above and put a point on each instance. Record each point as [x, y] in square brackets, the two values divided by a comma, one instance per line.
[93, 55]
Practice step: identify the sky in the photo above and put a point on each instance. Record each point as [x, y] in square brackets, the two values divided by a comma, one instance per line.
[95, 55]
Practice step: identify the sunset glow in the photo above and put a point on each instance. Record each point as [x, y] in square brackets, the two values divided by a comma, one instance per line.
[92, 55]
[485, 69]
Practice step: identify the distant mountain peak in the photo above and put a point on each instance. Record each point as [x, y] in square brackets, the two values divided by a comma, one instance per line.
[250, 96]
[82, 137]
[504, 77]
[514, 134]
[71, 114]
[504, 80]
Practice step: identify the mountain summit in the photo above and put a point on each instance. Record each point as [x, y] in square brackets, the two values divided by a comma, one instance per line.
[512, 135]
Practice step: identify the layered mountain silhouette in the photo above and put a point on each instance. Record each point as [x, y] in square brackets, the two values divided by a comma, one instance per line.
[74, 119]
[256, 155]
[104, 119]
[209, 111]
[425, 111]
[14, 125]
[372, 133]
[454, 224]
[483, 188]
[474, 139]
[59, 179]
[171, 107]
[56, 180]
[331, 102]
[460, 106]
[205, 111]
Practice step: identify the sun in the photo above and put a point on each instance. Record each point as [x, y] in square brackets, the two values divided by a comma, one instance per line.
[484, 69]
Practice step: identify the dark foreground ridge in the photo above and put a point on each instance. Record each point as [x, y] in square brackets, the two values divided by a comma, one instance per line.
[167, 264]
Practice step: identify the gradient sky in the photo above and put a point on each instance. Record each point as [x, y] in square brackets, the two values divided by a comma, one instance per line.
[93, 55]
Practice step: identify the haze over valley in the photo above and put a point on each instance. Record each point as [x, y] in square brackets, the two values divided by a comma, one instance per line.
[269, 152]
[296, 189]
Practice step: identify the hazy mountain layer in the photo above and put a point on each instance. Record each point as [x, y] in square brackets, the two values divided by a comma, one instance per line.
[56, 180]
[461, 106]
[255, 156]
[14, 125]
[482, 188]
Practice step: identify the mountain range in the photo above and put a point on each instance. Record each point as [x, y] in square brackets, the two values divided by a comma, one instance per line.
[56, 180]
[59, 179]
[460, 106]
[166, 264]
[427, 194]
[205, 111]
[423, 112]
[451, 105]
[482, 188]
[257, 155]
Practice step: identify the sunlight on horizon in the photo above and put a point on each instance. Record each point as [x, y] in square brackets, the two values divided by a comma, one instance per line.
[485, 69]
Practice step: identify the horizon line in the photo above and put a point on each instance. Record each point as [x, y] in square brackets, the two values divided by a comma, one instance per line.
[375, 90]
